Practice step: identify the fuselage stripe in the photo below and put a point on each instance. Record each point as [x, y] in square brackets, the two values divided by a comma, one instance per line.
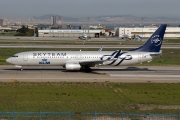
[117, 58]
[120, 62]
[113, 60]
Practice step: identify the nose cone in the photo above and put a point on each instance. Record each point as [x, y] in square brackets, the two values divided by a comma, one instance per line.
[8, 60]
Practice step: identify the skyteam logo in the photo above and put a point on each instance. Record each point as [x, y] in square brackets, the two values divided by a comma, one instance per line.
[155, 40]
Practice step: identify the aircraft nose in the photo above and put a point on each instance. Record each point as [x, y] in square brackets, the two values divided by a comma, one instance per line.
[8, 60]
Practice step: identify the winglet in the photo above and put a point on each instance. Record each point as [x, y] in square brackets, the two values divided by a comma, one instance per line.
[101, 48]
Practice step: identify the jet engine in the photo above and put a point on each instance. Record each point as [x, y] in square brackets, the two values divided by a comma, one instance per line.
[72, 66]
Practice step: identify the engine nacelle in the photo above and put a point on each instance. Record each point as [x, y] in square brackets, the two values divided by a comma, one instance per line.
[72, 66]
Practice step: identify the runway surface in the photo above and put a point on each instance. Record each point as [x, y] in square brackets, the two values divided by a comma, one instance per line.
[138, 74]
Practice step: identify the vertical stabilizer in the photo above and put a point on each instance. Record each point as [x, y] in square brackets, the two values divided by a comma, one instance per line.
[153, 44]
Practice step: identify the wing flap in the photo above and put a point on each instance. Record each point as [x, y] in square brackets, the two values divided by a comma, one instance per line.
[89, 63]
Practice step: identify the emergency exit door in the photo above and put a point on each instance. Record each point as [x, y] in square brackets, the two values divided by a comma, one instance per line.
[25, 57]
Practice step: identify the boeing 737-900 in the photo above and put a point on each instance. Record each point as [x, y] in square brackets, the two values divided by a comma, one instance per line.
[83, 60]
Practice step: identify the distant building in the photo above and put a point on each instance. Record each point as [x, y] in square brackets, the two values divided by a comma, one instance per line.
[147, 31]
[59, 22]
[69, 33]
[1, 22]
[53, 20]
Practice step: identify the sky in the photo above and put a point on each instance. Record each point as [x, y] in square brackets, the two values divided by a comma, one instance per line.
[89, 8]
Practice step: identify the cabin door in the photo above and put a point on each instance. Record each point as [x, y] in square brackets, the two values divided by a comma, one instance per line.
[139, 57]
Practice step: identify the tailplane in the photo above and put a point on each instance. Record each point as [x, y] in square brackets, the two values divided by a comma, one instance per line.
[153, 44]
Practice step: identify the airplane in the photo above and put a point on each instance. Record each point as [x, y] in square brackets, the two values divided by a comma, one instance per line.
[84, 37]
[83, 60]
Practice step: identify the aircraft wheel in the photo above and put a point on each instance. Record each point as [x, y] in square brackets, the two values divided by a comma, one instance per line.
[86, 69]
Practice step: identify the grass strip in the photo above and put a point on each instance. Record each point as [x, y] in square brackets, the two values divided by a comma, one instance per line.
[81, 97]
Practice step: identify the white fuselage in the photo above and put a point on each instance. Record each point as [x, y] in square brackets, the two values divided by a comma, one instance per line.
[60, 58]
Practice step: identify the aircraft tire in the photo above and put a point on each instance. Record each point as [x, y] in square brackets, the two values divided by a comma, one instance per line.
[86, 69]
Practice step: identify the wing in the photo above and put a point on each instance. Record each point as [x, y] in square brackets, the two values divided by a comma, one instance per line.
[91, 63]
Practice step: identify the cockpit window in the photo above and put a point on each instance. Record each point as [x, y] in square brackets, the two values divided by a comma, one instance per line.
[15, 56]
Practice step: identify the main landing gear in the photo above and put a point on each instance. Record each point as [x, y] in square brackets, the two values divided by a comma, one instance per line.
[86, 69]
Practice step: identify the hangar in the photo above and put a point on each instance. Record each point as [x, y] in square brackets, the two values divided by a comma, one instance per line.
[69, 33]
[146, 31]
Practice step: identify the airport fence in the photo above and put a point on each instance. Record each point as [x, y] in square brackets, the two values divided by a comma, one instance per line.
[84, 116]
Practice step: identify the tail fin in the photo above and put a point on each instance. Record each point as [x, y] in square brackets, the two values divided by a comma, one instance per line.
[154, 43]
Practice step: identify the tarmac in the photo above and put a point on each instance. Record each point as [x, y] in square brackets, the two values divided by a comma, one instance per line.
[124, 74]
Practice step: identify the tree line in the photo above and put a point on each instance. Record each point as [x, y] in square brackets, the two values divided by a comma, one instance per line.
[25, 31]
